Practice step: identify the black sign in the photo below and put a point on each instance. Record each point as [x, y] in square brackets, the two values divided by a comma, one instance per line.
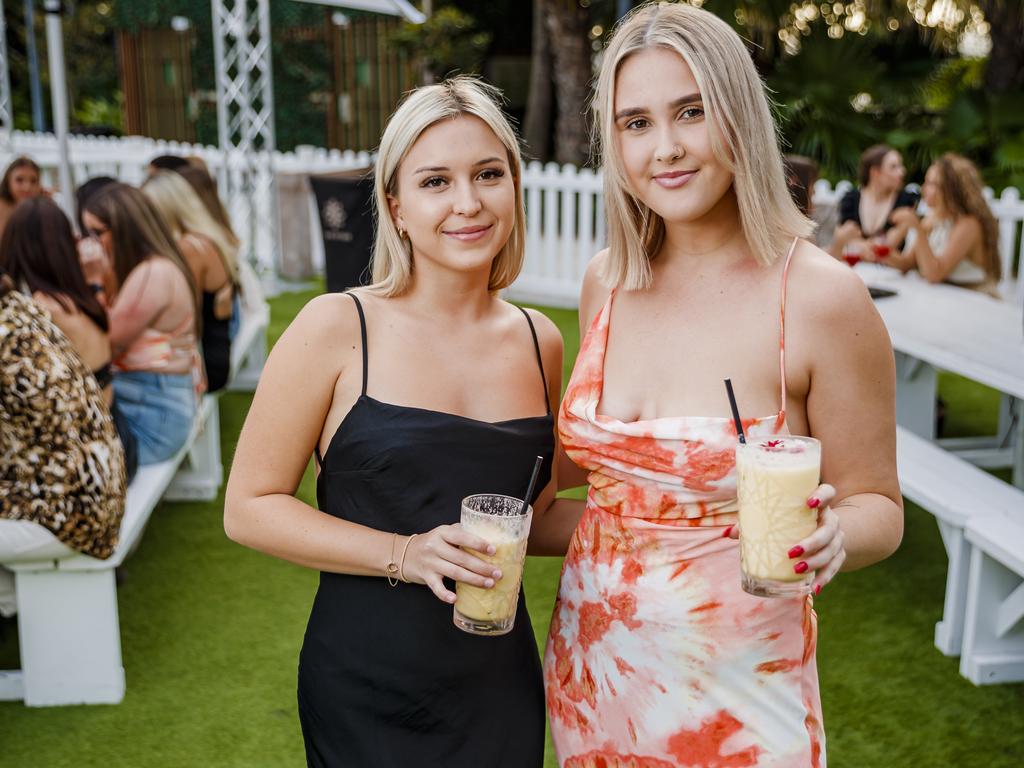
[345, 204]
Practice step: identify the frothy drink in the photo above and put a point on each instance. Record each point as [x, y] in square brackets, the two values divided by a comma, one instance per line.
[775, 477]
[497, 520]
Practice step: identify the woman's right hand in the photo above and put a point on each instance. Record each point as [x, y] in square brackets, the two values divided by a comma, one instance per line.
[436, 555]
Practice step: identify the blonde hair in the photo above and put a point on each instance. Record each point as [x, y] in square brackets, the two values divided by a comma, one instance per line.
[185, 213]
[744, 138]
[422, 108]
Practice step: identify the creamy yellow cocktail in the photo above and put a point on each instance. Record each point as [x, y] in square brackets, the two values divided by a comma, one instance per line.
[775, 477]
[497, 520]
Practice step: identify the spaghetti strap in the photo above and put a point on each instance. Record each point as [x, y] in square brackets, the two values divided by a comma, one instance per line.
[362, 335]
[540, 360]
[782, 333]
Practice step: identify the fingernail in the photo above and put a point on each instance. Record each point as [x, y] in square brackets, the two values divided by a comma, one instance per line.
[488, 583]
[796, 551]
[497, 575]
[813, 502]
[490, 549]
[800, 567]
[817, 589]
[728, 532]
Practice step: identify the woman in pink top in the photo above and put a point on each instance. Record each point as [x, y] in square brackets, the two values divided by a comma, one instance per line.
[656, 657]
[153, 319]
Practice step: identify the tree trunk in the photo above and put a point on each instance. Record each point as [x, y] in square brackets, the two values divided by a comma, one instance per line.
[1005, 70]
[568, 25]
[537, 125]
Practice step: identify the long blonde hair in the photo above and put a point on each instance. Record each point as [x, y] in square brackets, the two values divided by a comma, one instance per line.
[744, 138]
[185, 213]
[961, 190]
[422, 108]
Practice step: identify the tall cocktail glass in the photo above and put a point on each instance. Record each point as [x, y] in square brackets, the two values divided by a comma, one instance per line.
[500, 521]
[775, 477]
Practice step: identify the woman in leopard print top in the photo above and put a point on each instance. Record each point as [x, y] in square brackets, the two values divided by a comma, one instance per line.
[61, 463]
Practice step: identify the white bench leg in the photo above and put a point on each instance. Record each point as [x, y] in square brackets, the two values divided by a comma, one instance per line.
[993, 645]
[70, 642]
[200, 475]
[248, 376]
[915, 396]
[949, 631]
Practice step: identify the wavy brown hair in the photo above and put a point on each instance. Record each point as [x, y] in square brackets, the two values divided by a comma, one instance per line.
[961, 189]
[138, 233]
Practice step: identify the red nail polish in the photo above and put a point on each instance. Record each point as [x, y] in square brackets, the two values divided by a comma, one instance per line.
[796, 551]
[728, 532]
[817, 589]
[813, 502]
[800, 567]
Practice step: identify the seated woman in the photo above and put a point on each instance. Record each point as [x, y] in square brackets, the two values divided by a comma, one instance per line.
[211, 257]
[20, 182]
[153, 320]
[38, 252]
[62, 479]
[958, 241]
[866, 225]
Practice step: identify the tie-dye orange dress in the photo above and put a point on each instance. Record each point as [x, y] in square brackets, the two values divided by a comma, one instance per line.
[656, 658]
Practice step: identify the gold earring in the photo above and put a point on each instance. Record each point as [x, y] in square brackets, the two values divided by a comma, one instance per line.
[401, 233]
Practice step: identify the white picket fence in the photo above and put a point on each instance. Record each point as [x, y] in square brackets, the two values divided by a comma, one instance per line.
[564, 211]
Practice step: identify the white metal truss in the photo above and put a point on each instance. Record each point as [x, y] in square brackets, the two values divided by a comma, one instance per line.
[245, 121]
[6, 110]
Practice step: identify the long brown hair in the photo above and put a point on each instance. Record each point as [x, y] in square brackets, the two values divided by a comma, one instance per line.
[38, 248]
[138, 232]
[16, 163]
[961, 190]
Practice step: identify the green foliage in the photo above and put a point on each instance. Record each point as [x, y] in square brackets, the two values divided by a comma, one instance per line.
[100, 112]
[815, 89]
[447, 43]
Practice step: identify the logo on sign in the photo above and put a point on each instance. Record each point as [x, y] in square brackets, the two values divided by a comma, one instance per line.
[335, 217]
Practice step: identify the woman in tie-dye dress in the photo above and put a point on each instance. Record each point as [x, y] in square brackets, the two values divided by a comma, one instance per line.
[656, 657]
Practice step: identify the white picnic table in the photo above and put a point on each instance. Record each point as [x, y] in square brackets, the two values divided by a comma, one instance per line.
[943, 327]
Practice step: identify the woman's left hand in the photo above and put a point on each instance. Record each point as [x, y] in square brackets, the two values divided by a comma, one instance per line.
[823, 551]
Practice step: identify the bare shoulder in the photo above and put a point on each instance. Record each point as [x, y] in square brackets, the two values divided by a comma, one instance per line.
[826, 291]
[326, 322]
[548, 334]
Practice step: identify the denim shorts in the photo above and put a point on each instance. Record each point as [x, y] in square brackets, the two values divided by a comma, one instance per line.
[159, 409]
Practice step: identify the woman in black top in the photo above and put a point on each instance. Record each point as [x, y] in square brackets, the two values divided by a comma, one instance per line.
[413, 393]
[866, 226]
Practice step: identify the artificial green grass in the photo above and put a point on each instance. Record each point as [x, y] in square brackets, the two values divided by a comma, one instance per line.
[211, 633]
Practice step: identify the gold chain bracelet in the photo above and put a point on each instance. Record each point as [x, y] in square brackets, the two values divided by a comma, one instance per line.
[392, 570]
[401, 566]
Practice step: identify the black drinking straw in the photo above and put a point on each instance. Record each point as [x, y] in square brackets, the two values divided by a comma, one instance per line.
[533, 482]
[735, 411]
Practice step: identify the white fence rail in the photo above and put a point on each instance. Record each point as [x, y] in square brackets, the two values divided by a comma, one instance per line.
[564, 210]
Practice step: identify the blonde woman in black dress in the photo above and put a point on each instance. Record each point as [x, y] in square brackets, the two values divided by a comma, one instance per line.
[413, 393]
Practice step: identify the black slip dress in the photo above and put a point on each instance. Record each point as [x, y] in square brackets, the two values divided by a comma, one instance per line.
[386, 680]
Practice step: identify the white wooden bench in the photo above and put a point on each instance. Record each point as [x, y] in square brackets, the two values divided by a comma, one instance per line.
[68, 627]
[956, 493]
[993, 647]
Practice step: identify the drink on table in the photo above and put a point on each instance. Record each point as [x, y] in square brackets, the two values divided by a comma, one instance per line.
[851, 256]
[880, 248]
[775, 477]
[500, 521]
